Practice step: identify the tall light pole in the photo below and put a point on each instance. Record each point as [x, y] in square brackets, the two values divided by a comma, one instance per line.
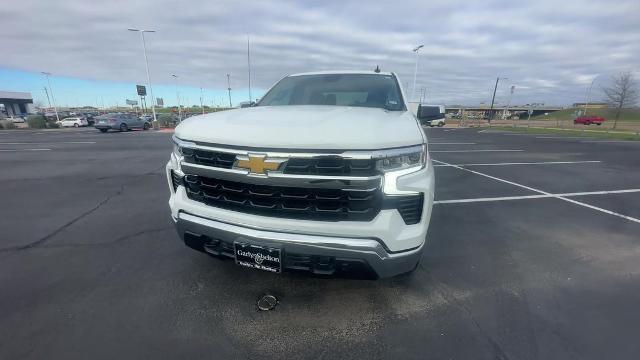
[415, 71]
[47, 93]
[55, 108]
[201, 100]
[494, 97]
[229, 89]
[175, 78]
[588, 97]
[146, 62]
[249, 67]
[504, 113]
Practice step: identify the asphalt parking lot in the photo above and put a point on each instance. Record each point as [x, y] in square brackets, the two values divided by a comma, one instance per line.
[533, 253]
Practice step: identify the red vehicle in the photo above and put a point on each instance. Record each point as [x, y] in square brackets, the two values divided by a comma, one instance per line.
[588, 120]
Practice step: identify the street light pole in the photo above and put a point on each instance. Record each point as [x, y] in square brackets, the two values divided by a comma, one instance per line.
[146, 62]
[229, 89]
[175, 77]
[586, 103]
[47, 93]
[415, 72]
[504, 113]
[249, 67]
[494, 98]
[201, 99]
[55, 108]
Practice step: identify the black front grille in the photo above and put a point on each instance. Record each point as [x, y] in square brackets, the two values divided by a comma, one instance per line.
[336, 166]
[410, 208]
[176, 180]
[288, 202]
[324, 165]
[209, 158]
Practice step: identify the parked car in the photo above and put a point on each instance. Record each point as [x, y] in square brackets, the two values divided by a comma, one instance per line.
[431, 115]
[146, 117]
[89, 118]
[72, 122]
[328, 174]
[121, 122]
[588, 120]
[16, 119]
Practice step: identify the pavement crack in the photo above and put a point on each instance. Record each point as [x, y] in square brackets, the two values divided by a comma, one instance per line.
[114, 241]
[47, 237]
[451, 299]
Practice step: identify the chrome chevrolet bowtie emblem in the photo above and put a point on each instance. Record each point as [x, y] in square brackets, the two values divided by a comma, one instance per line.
[258, 164]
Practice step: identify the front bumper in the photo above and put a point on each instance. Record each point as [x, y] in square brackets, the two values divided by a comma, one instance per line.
[322, 255]
[103, 126]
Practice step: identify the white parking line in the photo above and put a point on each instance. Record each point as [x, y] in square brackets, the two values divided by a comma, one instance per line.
[527, 163]
[458, 151]
[541, 196]
[50, 143]
[561, 137]
[612, 141]
[452, 143]
[546, 193]
[25, 150]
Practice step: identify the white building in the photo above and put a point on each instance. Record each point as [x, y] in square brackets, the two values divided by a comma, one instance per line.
[14, 103]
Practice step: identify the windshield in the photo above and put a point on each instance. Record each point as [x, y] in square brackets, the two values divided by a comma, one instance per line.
[362, 90]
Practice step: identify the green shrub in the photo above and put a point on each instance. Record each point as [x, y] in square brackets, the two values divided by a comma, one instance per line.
[7, 125]
[36, 122]
[52, 125]
[166, 120]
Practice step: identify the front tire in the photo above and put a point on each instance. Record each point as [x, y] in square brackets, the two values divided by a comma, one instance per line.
[123, 127]
[440, 124]
[103, 130]
[146, 126]
[76, 125]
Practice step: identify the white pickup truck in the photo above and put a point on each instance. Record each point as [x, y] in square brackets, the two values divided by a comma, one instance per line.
[328, 174]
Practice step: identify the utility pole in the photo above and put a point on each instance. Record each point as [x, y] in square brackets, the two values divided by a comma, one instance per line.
[494, 98]
[249, 67]
[201, 99]
[229, 89]
[55, 108]
[415, 72]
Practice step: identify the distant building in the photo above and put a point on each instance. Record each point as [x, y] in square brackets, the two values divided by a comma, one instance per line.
[591, 105]
[16, 103]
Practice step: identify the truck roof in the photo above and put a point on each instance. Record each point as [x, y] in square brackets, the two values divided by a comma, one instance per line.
[328, 72]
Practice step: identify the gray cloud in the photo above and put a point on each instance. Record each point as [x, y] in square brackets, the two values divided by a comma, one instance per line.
[550, 50]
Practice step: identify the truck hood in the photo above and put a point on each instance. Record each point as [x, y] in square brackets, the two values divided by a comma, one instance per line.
[304, 127]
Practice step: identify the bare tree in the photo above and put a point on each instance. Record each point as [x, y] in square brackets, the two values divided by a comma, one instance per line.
[622, 94]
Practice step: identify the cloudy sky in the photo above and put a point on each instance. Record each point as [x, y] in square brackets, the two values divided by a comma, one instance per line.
[550, 50]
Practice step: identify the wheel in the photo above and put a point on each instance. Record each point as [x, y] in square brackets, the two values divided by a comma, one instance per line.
[441, 124]
[598, 124]
[123, 127]
[146, 126]
[587, 123]
[76, 125]
[103, 130]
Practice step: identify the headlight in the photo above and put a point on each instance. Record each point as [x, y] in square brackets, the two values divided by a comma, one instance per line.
[400, 162]
[400, 159]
